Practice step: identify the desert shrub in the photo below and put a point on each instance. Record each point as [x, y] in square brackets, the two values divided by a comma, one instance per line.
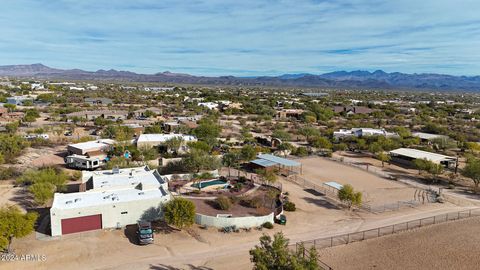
[223, 202]
[180, 213]
[301, 151]
[238, 186]
[8, 173]
[267, 225]
[76, 175]
[234, 199]
[242, 179]
[252, 202]
[289, 206]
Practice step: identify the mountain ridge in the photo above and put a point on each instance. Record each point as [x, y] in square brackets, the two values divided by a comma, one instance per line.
[378, 79]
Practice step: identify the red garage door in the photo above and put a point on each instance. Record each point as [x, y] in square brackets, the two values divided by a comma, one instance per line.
[81, 224]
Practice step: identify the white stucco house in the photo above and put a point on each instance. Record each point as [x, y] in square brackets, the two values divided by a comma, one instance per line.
[110, 199]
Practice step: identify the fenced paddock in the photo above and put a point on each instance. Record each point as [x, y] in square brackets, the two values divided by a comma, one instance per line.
[344, 239]
[381, 195]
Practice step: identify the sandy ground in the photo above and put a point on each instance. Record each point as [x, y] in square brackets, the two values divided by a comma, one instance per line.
[452, 245]
[210, 249]
[39, 157]
[375, 189]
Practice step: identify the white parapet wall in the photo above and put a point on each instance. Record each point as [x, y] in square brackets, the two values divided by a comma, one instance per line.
[239, 222]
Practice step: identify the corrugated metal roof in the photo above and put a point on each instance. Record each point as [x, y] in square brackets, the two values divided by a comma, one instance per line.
[419, 154]
[263, 162]
[279, 160]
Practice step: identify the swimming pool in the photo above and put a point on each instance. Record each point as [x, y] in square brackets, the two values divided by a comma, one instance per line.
[208, 183]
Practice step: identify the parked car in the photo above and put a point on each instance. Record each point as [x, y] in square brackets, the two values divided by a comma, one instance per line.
[282, 220]
[144, 233]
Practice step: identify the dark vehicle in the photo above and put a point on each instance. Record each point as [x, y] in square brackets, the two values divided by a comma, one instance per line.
[282, 220]
[144, 233]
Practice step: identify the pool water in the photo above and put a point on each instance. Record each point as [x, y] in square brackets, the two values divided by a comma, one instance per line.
[208, 183]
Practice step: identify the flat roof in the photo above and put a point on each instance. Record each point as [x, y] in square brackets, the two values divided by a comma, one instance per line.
[419, 154]
[263, 162]
[334, 185]
[92, 144]
[428, 136]
[279, 160]
[97, 198]
[126, 178]
[163, 137]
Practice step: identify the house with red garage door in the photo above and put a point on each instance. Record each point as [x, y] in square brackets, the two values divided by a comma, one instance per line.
[110, 199]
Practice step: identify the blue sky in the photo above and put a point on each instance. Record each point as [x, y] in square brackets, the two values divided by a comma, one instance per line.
[243, 38]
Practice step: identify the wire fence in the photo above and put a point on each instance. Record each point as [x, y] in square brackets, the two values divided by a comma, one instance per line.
[421, 196]
[344, 239]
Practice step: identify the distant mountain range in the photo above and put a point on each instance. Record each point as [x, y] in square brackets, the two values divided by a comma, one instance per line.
[339, 79]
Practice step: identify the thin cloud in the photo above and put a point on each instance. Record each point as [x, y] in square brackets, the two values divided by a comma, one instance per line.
[251, 37]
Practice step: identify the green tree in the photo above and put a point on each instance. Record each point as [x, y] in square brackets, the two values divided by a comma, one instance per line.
[11, 146]
[268, 176]
[383, 157]
[174, 144]
[42, 192]
[309, 132]
[248, 152]
[285, 147]
[301, 151]
[13, 223]
[10, 107]
[472, 171]
[44, 183]
[207, 131]
[429, 167]
[320, 142]
[349, 196]
[281, 134]
[180, 213]
[154, 129]
[274, 254]
[231, 159]
[197, 160]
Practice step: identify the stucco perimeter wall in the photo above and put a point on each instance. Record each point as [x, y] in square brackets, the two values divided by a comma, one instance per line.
[239, 222]
[186, 176]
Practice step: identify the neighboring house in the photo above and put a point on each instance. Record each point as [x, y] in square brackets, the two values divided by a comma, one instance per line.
[85, 148]
[314, 94]
[152, 140]
[143, 112]
[37, 86]
[92, 115]
[75, 88]
[19, 100]
[111, 199]
[362, 132]
[428, 137]
[352, 110]
[98, 101]
[158, 89]
[290, 113]
[209, 105]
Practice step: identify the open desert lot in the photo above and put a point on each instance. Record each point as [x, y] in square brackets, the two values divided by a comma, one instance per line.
[451, 245]
[376, 190]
